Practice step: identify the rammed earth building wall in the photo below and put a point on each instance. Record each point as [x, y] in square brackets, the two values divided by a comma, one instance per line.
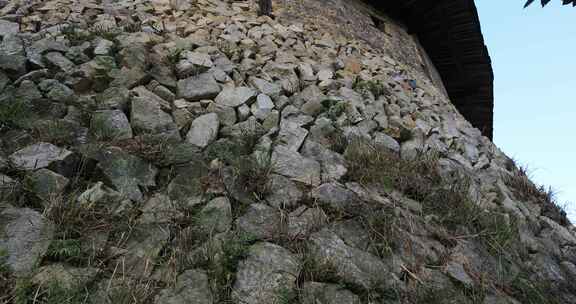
[442, 39]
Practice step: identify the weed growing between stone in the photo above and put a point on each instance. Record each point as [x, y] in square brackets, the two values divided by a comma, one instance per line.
[51, 292]
[74, 222]
[531, 291]
[6, 279]
[317, 270]
[445, 197]
[125, 290]
[221, 261]
[527, 190]
[65, 250]
[381, 227]
[14, 113]
[374, 87]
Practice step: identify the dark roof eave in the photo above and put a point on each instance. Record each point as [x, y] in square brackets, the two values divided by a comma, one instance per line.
[450, 32]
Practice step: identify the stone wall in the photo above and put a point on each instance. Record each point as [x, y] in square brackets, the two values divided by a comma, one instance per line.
[192, 152]
[357, 19]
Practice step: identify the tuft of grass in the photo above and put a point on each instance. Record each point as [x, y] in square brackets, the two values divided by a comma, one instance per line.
[498, 232]
[74, 34]
[231, 150]
[131, 291]
[173, 57]
[530, 291]
[371, 164]
[450, 202]
[65, 250]
[150, 148]
[525, 189]
[23, 291]
[446, 197]
[100, 131]
[230, 49]
[77, 35]
[418, 179]
[59, 132]
[54, 293]
[285, 295]
[250, 173]
[429, 295]
[376, 87]
[13, 114]
[6, 279]
[106, 32]
[133, 27]
[333, 108]
[188, 236]
[336, 140]
[4, 268]
[73, 221]
[222, 264]
[381, 227]
[317, 270]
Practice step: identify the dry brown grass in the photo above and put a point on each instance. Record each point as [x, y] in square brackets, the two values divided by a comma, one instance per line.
[445, 197]
[526, 190]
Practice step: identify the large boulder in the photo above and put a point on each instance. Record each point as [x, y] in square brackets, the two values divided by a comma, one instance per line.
[267, 272]
[333, 164]
[235, 97]
[8, 28]
[65, 276]
[292, 164]
[187, 186]
[126, 172]
[112, 124]
[46, 184]
[334, 195]
[25, 236]
[113, 98]
[321, 293]
[147, 114]
[39, 155]
[260, 221]
[352, 265]
[142, 249]
[191, 287]
[216, 216]
[284, 193]
[203, 86]
[204, 130]
[59, 61]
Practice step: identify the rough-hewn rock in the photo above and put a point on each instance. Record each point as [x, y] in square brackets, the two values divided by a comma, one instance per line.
[126, 172]
[234, 97]
[37, 156]
[267, 271]
[46, 184]
[204, 130]
[203, 86]
[291, 164]
[147, 114]
[66, 277]
[352, 265]
[191, 288]
[145, 143]
[319, 293]
[111, 123]
[25, 237]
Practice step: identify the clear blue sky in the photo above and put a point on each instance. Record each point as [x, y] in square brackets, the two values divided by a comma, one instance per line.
[533, 53]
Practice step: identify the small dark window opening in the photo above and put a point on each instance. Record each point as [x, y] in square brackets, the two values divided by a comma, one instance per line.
[378, 23]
